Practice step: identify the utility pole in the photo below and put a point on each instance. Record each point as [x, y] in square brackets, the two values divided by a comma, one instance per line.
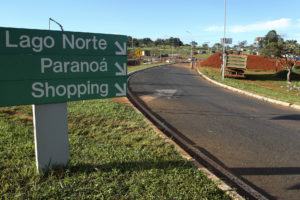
[132, 42]
[172, 47]
[191, 48]
[224, 40]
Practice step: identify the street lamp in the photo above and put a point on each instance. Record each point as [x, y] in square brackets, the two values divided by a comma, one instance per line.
[61, 27]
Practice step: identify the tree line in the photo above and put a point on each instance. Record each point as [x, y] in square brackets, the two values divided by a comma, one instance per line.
[148, 42]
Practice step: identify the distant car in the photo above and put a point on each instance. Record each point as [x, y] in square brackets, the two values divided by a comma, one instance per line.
[164, 55]
[213, 51]
[191, 59]
[203, 52]
[170, 61]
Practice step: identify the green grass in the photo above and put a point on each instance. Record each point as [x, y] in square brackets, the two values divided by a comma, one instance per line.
[203, 56]
[115, 154]
[138, 67]
[157, 50]
[268, 84]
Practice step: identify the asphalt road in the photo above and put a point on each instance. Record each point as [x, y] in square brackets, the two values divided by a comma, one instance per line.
[257, 141]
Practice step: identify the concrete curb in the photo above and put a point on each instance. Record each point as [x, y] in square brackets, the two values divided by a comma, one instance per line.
[282, 103]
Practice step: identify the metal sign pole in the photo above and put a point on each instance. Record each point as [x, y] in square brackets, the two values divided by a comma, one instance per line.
[51, 135]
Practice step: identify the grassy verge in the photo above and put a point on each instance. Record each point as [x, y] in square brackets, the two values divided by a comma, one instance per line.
[203, 56]
[135, 68]
[115, 154]
[268, 84]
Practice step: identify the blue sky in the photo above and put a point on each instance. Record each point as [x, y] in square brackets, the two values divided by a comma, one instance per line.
[198, 20]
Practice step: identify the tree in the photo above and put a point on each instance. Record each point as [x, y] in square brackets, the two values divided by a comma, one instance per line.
[285, 52]
[194, 44]
[290, 51]
[272, 50]
[271, 36]
[159, 42]
[136, 42]
[242, 44]
[147, 42]
[174, 42]
[217, 46]
[129, 41]
[205, 45]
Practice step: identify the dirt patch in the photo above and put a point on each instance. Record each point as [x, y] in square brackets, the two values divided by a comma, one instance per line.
[258, 62]
[214, 60]
[16, 113]
[254, 62]
[184, 65]
[123, 100]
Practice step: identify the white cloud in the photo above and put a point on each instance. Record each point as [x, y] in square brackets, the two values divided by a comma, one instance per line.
[215, 28]
[280, 24]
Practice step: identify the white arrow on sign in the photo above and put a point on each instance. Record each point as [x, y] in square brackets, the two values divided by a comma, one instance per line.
[122, 50]
[122, 91]
[122, 71]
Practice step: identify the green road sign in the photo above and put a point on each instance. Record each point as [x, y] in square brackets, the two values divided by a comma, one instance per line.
[60, 90]
[40, 66]
[20, 67]
[32, 41]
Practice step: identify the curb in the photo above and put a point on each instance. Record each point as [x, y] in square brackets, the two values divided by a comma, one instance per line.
[266, 99]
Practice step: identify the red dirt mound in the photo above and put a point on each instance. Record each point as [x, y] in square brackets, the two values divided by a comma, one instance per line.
[258, 62]
[214, 60]
[253, 62]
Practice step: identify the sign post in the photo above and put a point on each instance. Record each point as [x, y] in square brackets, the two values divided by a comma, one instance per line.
[51, 135]
[224, 41]
[50, 68]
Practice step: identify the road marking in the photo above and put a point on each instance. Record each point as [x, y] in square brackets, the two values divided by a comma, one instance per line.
[165, 92]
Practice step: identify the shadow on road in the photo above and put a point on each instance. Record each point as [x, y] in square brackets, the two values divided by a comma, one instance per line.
[287, 117]
[267, 171]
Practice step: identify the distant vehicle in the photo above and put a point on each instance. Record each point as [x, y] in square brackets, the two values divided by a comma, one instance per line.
[195, 53]
[213, 51]
[191, 59]
[203, 52]
[230, 51]
[164, 55]
[170, 61]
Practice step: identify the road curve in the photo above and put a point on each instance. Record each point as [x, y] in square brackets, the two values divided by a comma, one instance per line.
[256, 141]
